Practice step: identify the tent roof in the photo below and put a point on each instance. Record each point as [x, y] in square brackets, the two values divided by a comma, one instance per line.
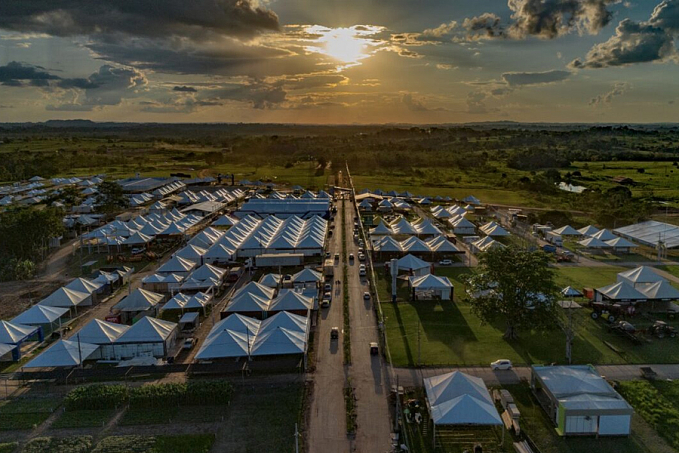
[566, 381]
[427, 227]
[594, 243]
[567, 231]
[40, 314]
[177, 264]
[279, 341]
[569, 291]
[84, 285]
[641, 274]
[621, 291]
[5, 348]
[12, 333]
[589, 230]
[621, 243]
[148, 329]
[382, 228]
[271, 280]
[225, 220]
[208, 271]
[64, 297]
[139, 300]
[291, 300]
[659, 290]
[465, 410]
[307, 275]
[285, 320]
[604, 235]
[63, 353]
[410, 262]
[100, 332]
[430, 281]
[446, 387]
[138, 238]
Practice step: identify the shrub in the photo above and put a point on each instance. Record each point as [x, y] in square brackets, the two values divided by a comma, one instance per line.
[126, 444]
[98, 396]
[193, 393]
[75, 444]
[654, 408]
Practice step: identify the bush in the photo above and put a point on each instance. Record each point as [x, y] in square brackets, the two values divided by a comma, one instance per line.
[126, 444]
[98, 396]
[654, 408]
[8, 447]
[193, 393]
[75, 444]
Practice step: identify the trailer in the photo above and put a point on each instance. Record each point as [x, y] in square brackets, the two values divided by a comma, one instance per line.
[554, 238]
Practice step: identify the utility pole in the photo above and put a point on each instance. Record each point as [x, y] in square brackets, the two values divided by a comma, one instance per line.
[296, 439]
[419, 345]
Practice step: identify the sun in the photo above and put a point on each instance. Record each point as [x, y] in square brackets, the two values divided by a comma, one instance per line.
[344, 45]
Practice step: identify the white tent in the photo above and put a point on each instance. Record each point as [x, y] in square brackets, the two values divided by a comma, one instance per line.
[440, 244]
[604, 235]
[403, 227]
[100, 332]
[230, 337]
[641, 274]
[569, 291]
[292, 301]
[138, 239]
[191, 253]
[415, 245]
[594, 243]
[139, 300]
[413, 264]
[40, 314]
[621, 244]
[463, 226]
[567, 231]
[307, 275]
[63, 353]
[439, 286]
[13, 333]
[589, 230]
[494, 230]
[388, 244]
[381, 230]
[177, 265]
[207, 271]
[84, 285]
[225, 220]
[621, 291]
[427, 228]
[148, 336]
[460, 399]
[472, 200]
[271, 280]
[6, 348]
[66, 298]
[661, 290]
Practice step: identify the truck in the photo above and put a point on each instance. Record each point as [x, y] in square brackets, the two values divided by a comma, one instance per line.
[329, 268]
[554, 238]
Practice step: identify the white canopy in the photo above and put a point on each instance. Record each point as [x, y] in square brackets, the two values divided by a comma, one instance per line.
[594, 243]
[139, 300]
[271, 280]
[589, 230]
[63, 353]
[569, 291]
[148, 330]
[567, 231]
[225, 221]
[412, 263]
[621, 243]
[40, 314]
[12, 333]
[64, 297]
[84, 285]
[5, 348]
[641, 274]
[604, 235]
[101, 332]
[621, 291]
[430, 281]
[307, 275]
[661, 290]
[138, 239]
[460, 399]
[176, 264]
[291, 300]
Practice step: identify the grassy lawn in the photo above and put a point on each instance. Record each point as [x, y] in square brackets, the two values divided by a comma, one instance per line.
[587, 277]
[25, 413]
[674, 270]
[83, 418]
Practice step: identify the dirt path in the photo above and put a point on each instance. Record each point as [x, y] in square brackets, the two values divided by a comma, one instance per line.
[55, 266]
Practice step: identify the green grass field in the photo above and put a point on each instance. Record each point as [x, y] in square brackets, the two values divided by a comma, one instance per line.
[83, 418]
[25, 413]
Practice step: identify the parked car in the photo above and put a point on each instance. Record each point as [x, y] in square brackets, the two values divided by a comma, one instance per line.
[327, 287]
[334, 333]
[366, 295]
[351, 257]
[502, 364]
[189, 343]
[325, 303]
[446, 262]
[327, 255]
[361, 257]
[374, 348]
[138, 250]
[336, 256]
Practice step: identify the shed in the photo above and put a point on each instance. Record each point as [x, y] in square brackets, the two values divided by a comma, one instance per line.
[13, 334]
[580, 402]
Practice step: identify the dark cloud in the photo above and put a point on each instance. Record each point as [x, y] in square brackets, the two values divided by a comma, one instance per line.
[308, 81]
[545, 19]
[184, 89]
[15, 74]
[195, 19]
[112, 84]
[618, 89]
[486, 25]
[637, 42]
[413, 104]
[259, 95]
[516, 79]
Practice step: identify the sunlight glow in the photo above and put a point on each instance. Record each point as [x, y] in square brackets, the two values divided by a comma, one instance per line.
[348, 45]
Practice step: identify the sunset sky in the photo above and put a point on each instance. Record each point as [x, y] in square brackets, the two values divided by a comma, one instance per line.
[340, 61]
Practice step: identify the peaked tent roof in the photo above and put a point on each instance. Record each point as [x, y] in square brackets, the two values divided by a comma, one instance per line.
[410, 262]
[307, 275]
[594, 243]
[465, 410]
[660, 290]
[569, 291]
[567, 231]
[84, 285]
[40, 314]
[446, 387]
[100, 332]
[5, 348]
[225, 220]
[621, 243]
[430, 281]
[279, 341]
[589, 230]
[64, 297]
[291, 300]
[382, 228]
[271, 280]
[138, 238]
[12, 333]
[148, 329]
[177, 264]
[641, 274]
[622, 291]
[63, 353]
[605, 235]
[139, 300]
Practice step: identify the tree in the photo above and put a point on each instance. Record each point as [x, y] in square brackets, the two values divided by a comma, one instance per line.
[516, 286]
[111, 197]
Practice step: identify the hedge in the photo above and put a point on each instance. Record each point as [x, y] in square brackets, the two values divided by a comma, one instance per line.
[97, 396]
[75, 444]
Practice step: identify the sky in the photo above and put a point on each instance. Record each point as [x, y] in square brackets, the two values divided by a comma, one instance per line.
[340, 61]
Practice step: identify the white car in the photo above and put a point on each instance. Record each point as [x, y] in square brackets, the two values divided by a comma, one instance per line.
[446, 262]
[502, 364]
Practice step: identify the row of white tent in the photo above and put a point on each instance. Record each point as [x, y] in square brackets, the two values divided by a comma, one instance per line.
[403, 227]
[493, 229]
[251, 236]
[222, 196]
[306, 195]
[258, 297]
[637, 285]
[240, 336]
[413, 244]
[594, 238]
[384, 205]
[109, 341]
[450, 212]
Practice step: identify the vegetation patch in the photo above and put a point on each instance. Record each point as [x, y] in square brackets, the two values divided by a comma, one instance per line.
[96, 397]
[658, 411]
[8, 447]
[350, 407]
[74, 444]
[26, 413]
[83, 418]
